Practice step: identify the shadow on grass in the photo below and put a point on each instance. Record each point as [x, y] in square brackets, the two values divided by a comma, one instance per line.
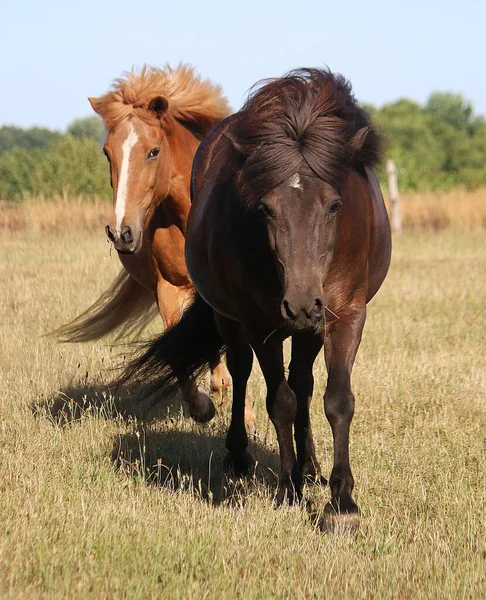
[73, 403]
[192, 463]
[159, 450]
[158, 453]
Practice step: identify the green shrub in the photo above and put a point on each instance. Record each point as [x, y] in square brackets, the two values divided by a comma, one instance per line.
[68, 166]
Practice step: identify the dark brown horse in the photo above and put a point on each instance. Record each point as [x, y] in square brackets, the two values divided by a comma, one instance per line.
[287, 236]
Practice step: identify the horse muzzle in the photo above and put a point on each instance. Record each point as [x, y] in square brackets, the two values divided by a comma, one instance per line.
[124, 242]
[303, 319]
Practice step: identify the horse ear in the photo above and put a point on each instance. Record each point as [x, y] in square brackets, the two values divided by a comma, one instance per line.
[358, 139]
[158, 105]
[95, 105]
[236, 144]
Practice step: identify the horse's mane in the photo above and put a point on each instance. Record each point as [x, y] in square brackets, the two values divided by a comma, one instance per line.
[198, 104]
[303, 123]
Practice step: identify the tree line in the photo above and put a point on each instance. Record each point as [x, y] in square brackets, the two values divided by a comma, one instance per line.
[438, 145]
[38, 161]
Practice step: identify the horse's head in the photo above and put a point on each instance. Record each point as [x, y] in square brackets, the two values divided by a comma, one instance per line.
[302, 221]
[154, 119]
[140, 166]
[297, 140]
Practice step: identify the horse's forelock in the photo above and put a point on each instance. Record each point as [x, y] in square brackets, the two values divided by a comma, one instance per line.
[191, 100]
[300, 123]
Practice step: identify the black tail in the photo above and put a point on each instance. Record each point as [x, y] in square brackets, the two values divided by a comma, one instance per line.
[185, 350]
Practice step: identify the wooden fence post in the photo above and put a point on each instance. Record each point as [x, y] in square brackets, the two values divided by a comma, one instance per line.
[395, 209]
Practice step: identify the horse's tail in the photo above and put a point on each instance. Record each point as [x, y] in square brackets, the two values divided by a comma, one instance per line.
[184, 351]
[126, 307]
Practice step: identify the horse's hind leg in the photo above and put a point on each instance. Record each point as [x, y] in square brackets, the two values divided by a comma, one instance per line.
[219, 395]
[239, 357]
[305, 348]
[219, 385]
[340, 347]
[172, 300]
[250, 419]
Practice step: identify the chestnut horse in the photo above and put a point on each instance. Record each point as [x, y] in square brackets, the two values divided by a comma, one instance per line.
[287, 236]
[155, 120]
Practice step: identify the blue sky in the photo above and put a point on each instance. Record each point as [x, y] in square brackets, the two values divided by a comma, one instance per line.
[54, 54]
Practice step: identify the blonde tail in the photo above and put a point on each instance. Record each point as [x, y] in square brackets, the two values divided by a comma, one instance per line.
[126, 307]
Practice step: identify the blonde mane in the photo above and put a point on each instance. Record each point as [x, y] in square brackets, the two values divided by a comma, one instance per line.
[198, 104]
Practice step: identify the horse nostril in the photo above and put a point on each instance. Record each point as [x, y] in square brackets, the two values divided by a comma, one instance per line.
[109, 233]
[317, 310]
[288, 312]
[126, 235]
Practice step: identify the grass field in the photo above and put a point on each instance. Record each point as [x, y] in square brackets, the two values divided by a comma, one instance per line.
[99, 505]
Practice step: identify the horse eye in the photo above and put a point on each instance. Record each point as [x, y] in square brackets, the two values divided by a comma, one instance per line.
[264, 208]
[153, 153]
[334, 208]
[107, 155]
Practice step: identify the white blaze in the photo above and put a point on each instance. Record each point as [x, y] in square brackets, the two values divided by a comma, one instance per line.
[295, 181]
[121, 192]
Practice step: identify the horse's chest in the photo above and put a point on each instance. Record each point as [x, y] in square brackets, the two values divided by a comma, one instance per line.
[168, 255]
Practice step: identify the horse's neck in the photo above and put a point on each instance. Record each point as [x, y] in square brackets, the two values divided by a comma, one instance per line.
[173, 198]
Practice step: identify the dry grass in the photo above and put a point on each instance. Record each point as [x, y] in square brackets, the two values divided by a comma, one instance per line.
[459, 209]
[94, 505]
[59, 214]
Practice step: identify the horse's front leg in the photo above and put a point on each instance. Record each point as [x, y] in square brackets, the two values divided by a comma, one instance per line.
[282, 410]
[305, 348]
[171, 301]
[342, 339]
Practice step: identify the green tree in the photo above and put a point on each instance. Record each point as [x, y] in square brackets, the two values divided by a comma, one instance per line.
[35, 137]
[410, 142]
[451, 109]
[89, 127]
[437, 145]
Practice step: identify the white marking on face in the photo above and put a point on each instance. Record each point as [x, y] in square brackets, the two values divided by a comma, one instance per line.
[121, 192]
[294, 181]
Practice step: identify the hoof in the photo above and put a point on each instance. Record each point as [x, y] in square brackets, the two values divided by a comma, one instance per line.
[240, 465]
[339, 522]
[201, 408]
